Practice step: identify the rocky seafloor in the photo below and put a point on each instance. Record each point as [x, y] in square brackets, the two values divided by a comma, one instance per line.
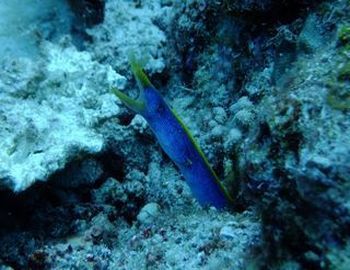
[264, 87]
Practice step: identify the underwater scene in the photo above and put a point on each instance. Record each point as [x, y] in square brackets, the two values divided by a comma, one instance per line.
[170, 134]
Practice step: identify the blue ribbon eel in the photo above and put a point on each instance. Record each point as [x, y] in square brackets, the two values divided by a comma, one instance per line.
[177, 142]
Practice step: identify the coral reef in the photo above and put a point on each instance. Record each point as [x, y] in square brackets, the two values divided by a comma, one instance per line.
[263, 85]
[63, 232]
[50, 111]
[287, 96]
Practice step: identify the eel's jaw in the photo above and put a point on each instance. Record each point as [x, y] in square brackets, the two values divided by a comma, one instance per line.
[138, 105]
[135, 105]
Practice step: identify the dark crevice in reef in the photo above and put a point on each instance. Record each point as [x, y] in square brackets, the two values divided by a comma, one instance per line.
[302, 229]
[87, 13]
[125, 118]
[241, 28]
[37, 216]
[51, 211]
[276, 12]
[113, 165]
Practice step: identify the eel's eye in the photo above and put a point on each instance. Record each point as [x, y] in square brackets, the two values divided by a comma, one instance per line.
[188, 162]
[160, 108]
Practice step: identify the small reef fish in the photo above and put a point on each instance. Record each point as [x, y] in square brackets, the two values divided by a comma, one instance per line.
[176, 141]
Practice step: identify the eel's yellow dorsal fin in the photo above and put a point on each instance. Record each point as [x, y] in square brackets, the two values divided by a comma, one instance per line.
[200, 152]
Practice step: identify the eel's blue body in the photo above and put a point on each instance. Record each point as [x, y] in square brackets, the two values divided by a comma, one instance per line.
[177, 142]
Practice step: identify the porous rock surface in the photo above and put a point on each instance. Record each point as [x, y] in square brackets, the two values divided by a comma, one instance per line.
[49, 111]
[53, 97]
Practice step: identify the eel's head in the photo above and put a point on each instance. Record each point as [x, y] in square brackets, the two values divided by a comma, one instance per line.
[149, 102]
